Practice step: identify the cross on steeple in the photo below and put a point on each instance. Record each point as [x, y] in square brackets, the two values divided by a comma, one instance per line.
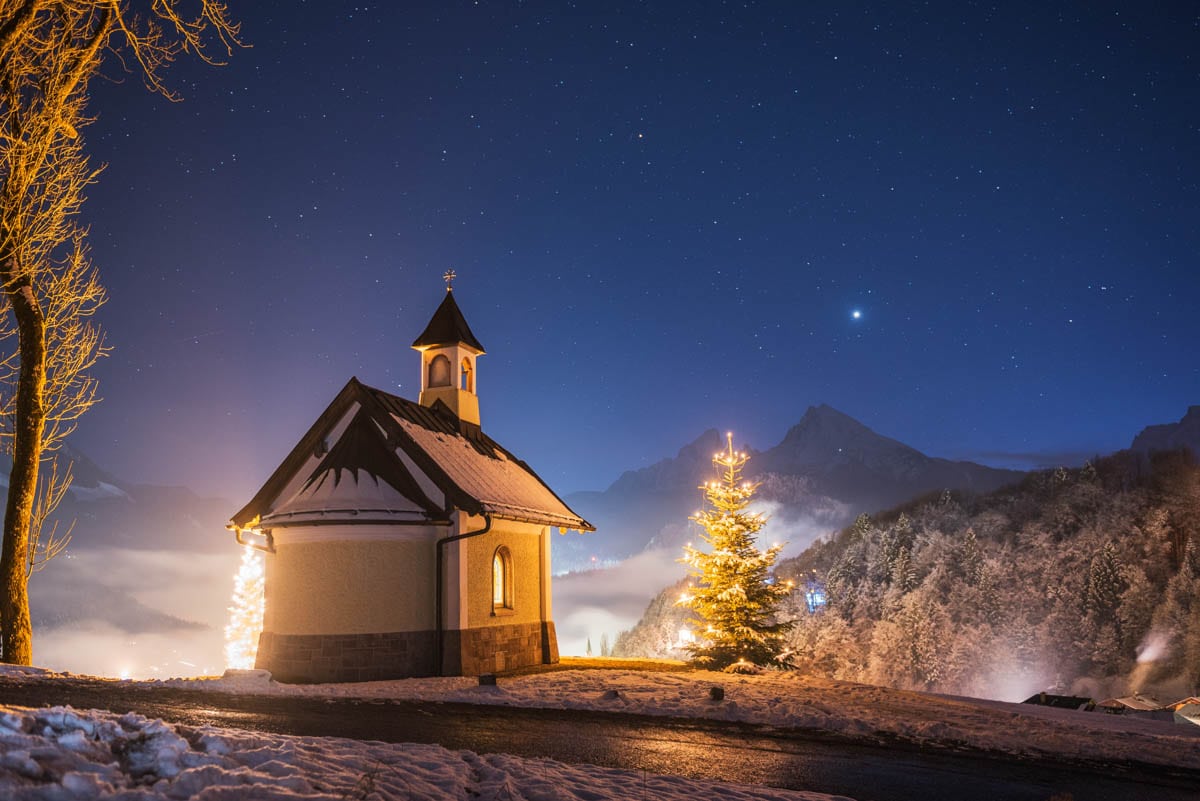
[449, 277]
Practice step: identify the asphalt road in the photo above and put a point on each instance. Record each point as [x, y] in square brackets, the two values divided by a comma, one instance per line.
[700, 749]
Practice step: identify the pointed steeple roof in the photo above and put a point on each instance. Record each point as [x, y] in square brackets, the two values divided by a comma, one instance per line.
[447, 327]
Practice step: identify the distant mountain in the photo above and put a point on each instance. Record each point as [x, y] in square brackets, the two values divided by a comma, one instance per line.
[65, 595]
[1171, 436]
[685, 470]
[638, 506]
[846, 460]
[109, 512]
[147, 517]
[828, 468]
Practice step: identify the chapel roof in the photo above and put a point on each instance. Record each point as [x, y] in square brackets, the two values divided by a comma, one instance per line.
[447, 327]
[357, 477]
[398, 461]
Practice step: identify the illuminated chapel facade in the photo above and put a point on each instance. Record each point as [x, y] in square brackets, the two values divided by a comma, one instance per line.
[400, 540]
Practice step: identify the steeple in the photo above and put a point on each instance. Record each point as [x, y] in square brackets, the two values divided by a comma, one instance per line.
[448, 351]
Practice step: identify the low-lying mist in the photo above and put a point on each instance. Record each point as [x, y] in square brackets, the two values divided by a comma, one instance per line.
[132, 613]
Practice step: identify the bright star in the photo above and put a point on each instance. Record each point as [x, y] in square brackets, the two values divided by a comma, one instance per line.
[856, 314]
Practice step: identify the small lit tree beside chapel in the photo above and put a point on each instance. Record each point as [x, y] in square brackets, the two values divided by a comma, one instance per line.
[735, 596]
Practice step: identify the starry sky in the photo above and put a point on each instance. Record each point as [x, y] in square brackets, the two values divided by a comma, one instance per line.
[973, 227]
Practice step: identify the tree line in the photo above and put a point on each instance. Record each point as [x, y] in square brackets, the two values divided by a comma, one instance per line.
[1085, 580]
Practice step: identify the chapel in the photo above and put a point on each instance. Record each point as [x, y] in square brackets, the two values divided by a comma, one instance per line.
[400, 539]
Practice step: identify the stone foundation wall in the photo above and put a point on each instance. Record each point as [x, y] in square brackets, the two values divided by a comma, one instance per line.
[496, 648]
[318, 658]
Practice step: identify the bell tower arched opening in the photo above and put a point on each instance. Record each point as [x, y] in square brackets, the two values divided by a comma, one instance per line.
[439, 372]
[448, 351]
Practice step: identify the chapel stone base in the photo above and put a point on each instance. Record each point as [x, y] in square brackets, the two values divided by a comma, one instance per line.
[471, 652]
[324, 658]
[321, 658]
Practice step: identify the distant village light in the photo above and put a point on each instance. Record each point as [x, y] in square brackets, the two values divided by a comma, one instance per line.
[814, 595]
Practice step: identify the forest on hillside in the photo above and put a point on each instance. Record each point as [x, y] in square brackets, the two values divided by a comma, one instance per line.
[1086, 580]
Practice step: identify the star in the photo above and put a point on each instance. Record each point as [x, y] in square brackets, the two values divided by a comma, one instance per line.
[856, 314]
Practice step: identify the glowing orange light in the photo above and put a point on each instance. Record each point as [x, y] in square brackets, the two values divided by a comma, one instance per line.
[246, 612]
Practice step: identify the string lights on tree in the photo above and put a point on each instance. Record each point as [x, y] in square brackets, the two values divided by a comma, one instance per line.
[246, 612]
[735, 594]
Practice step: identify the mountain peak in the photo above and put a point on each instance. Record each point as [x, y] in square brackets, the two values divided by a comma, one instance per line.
[703, 446]
[846, 460]
[1169, 436]
[826, 417]
[693, 460]
[827, 465]
[826, 436]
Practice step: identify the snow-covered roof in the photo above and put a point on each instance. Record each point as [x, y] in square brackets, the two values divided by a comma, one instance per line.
[358, 477]
[1137, 701]
[356, 492]
[392, 460]
[1188, 713]
[501, 485]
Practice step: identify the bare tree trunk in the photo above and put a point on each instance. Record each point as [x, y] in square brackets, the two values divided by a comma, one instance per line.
[49, 51]
[16, 631]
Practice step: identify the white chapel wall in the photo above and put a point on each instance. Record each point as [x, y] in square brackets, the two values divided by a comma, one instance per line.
[351, 580]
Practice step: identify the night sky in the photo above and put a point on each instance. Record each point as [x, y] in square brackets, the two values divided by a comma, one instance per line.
[972, 228]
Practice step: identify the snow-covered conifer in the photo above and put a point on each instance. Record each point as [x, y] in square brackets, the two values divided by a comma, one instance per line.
[736, 596]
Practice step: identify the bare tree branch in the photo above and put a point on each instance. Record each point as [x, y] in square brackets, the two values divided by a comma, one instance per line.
[45, 545]
[49, 290]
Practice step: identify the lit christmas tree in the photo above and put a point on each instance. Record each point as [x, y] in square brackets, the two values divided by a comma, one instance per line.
[246, 614]
[736, 596]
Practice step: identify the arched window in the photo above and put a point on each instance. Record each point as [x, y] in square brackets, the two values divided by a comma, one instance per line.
[439, 371]
[502, 579]
[468, 378]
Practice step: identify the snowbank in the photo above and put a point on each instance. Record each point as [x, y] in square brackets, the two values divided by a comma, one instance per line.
[61, 753]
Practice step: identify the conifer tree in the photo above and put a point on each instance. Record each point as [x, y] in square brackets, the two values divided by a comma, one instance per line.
[904, 575]
[736, 596]
[246, 613]
[1105, 584]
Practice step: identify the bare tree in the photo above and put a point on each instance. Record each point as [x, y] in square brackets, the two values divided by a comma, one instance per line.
[49, 52]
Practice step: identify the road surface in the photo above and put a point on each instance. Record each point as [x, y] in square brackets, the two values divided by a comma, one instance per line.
[714, 750]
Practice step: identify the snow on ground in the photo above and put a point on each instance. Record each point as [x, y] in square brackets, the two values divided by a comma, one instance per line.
[788, 700]
[785, 700]
[60, 753]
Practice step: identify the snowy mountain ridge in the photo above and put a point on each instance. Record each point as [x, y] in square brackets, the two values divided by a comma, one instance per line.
[828, 468]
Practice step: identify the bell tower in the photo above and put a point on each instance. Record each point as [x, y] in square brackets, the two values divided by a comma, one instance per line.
[448, 351]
